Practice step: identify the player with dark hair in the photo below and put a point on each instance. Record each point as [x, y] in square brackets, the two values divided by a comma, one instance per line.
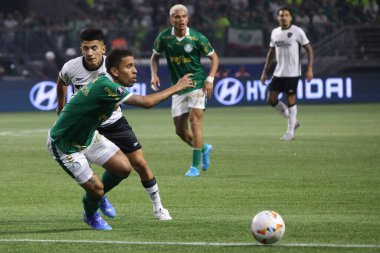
[73, 141]
[79, 72]
[183, 47]
[285, 45]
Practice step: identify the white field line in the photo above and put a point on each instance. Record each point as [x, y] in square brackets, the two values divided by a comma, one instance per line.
[23, 132]
[217, 244]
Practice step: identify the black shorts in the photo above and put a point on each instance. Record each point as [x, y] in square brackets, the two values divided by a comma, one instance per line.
[122, 135]
[287, 85]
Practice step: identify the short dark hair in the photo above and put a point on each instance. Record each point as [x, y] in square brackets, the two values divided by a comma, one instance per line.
[92, 34]
[113, 59]
[285, 8]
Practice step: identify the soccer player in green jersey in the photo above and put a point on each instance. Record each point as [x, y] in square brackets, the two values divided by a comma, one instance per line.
[183, 47]
[79, 72]
[73, 141]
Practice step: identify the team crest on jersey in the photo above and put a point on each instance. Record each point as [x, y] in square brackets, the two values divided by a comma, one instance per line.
[120, 90]
[76, 166]
[188, 48]
[290, 35]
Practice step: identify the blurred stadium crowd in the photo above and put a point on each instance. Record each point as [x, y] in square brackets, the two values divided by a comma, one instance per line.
[26, 36]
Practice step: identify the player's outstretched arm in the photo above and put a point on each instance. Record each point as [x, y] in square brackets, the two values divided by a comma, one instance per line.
[61, 95]
[153, 99]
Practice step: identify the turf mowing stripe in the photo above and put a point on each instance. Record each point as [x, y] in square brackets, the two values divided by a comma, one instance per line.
[217, 244]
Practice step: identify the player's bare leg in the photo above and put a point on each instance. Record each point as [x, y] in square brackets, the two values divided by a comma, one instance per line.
[181, 124]
[117, 168]
[196, 117]
[91, 200]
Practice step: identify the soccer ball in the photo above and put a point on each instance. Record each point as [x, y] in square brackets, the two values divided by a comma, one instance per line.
[267, 227]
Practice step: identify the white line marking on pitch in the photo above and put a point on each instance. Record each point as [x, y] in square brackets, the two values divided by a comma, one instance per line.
[23, 132]
[217, 244]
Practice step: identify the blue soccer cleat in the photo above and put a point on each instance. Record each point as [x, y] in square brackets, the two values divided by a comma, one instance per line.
[106, 207]
[96, 222]
[206, 157]
[192, 172]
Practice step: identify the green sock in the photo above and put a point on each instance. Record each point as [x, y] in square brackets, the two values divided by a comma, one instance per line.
[197, 155]
[110, 181]
[90, 205]
[204, 147]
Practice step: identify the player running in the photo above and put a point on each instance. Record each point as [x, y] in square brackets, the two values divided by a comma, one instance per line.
[285, 46]
[183, 47]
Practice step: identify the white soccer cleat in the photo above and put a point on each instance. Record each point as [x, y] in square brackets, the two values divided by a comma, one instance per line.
[162, 214]
[287, 137]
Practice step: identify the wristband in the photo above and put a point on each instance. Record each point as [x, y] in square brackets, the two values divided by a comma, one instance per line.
[210, 79]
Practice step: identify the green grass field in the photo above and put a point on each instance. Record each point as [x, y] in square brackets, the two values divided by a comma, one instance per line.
[325, 184]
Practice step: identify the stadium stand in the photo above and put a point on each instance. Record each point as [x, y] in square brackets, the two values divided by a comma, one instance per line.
[349, 48]
[339, 29]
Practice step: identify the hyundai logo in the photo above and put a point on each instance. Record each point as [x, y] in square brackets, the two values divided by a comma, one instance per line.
[229, 91]
[43, 95]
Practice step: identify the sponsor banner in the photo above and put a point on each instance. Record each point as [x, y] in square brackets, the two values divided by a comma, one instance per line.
[233, 91]
[229, 91]
[244, 38]
[43, 95]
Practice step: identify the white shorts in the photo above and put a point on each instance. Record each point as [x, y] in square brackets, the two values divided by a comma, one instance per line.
[182, 103]
[77, 164]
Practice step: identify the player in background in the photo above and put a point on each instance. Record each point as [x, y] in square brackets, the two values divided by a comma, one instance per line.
[73, 140]
[79, 72]
[183, 47]
[285, 46]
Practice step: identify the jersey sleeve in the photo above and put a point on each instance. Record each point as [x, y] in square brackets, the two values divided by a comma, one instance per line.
[303, 40]
[64, 74]
[158, 45]
[206, 47]
[271, 43]
[112, 92]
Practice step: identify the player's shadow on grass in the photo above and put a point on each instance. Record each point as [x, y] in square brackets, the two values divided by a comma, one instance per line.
[32, 227]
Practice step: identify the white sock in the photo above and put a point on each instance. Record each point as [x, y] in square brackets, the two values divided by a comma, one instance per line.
[292, 119]
[282, 109]
[154, 196]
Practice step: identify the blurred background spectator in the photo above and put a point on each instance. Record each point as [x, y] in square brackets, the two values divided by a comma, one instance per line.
[223, 72]
[242, 72]
[2, 71]
[29, 28]
[49, 69]
[70, 53]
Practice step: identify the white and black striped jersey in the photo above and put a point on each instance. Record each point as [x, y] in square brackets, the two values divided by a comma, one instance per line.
[288, 44]
[74, 72]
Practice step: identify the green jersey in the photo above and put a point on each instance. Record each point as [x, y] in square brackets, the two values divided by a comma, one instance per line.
[183, 55]
[83, 114]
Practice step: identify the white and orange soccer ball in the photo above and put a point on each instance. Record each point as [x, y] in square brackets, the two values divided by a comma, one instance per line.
[267, 227]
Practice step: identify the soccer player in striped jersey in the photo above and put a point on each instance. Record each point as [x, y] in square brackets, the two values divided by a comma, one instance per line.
[285, 45]
[183, 47]
[79, 72]
[74, 141]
